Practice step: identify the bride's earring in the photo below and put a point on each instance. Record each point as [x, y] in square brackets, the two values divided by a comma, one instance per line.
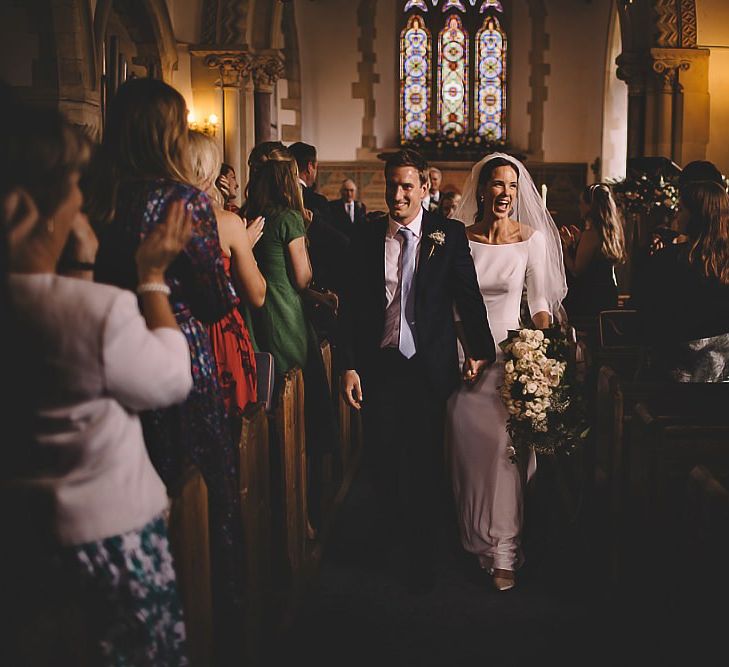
[50, 225]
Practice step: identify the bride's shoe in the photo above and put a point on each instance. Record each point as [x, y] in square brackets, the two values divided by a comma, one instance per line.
[503, 580]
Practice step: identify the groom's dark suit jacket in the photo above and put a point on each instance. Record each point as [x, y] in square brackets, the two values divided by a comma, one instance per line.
[445, 278]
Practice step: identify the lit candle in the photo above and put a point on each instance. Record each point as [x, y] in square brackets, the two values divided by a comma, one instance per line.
[544, 194]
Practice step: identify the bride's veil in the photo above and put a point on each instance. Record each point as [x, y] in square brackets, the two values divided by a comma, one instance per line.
[530, 210]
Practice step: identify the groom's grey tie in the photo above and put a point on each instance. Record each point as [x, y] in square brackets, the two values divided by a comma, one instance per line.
[407, 294]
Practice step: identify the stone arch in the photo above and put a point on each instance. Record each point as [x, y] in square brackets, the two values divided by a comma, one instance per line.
[151, 28]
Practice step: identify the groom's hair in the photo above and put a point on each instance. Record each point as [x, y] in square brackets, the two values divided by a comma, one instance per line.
[407, 157]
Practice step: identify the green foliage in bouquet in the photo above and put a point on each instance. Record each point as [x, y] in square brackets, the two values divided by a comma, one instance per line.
[640, 194]
[541, 393]
[452, 144]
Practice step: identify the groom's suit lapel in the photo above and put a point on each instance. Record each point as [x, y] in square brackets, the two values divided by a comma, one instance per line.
[424, 254]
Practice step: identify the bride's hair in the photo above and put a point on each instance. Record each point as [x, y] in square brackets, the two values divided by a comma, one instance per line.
[485, 176]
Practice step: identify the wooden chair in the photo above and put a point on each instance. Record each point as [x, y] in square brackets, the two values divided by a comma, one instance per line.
[190, 546]
[291, 440]
[255, 504]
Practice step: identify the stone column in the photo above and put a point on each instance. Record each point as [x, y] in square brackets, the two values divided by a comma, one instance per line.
[667, 63]
[631, 70]
[232, 68]
[688, 70]
[266, 70]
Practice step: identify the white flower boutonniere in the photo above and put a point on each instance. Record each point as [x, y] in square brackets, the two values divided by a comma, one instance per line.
[438, 238]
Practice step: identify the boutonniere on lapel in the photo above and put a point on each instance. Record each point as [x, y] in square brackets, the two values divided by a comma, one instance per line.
[438, 238]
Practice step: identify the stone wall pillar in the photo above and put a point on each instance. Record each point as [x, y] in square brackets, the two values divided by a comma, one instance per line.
[630, 70]
[232, 67]
[668, 102]
[266, 70]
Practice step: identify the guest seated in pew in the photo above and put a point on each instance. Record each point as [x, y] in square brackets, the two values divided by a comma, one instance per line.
[590, 254]
[282, 326]
[144, 165]
[231, 343]
[86, 575]
[682, 292]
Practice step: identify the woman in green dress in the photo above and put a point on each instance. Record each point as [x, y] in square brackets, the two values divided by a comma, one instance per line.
[281, 325]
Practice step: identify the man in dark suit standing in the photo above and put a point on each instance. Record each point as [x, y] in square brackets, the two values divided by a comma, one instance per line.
[347, 211]
[399, 354]
[327, 245]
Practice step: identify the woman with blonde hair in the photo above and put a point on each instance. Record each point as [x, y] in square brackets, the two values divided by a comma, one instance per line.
[144, 165]
[590, 255]
[229, 336]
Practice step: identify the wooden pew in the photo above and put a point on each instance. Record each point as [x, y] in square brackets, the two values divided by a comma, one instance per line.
[705, 542]
[615, 440]
[329, 477]
[190, 546]
[618, 342]
[255, 505]
[291, 442]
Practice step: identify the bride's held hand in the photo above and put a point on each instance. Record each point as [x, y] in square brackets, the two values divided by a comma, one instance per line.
[472, 370]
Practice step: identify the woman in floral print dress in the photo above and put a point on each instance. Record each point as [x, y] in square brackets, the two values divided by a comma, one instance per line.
[145, 146]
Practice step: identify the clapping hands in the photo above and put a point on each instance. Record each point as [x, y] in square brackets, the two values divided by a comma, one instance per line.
[570, 236]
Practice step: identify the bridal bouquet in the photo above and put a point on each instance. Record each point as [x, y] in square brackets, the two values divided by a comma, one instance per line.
[546, 409]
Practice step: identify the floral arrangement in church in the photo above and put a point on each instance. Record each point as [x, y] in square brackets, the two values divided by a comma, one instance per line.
[640, 194]
[453, 142]
[541, 394]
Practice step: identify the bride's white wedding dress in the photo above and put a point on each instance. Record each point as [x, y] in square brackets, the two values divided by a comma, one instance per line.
[487, 485]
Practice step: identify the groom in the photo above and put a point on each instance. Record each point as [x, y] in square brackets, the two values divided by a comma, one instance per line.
[398, 350]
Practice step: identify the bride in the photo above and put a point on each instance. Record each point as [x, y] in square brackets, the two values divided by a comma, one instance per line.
[514, 242]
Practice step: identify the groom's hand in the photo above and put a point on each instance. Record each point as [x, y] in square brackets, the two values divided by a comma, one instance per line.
[472, 369]
[352, 389]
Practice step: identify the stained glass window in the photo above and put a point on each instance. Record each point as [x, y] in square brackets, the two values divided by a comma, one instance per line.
[453, 77]
[491, 4]
[490, 103]
[415, 49]
[416, 4]
[453, 68]
[453, 4]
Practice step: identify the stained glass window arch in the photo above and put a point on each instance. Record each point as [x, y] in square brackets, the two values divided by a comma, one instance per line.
[453, 68]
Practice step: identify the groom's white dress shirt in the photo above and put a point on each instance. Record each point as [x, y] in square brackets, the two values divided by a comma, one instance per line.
[393, 272]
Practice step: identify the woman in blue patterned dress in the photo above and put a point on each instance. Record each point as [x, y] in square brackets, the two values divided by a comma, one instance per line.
[145, 149]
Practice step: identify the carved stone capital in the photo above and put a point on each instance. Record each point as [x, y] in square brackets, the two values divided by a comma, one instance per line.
[266, 69]
[667, 63]
[233, 66]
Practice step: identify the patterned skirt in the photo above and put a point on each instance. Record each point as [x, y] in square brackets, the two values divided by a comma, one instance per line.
[129, 584]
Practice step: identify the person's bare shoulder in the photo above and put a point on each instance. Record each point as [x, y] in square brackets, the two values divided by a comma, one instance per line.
[227, 219]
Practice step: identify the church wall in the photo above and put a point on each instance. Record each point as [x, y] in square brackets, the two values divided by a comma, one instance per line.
[578, 33]
[331, 118]
[712, 18]
[518, 88]
[19, 45]
[387, 92]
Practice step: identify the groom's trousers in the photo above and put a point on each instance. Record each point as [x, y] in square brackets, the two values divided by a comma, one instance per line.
[403, 429]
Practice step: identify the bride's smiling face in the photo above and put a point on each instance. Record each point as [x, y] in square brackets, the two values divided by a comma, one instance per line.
[499, 192]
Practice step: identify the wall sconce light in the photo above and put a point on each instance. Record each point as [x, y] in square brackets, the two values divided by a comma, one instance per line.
[208, 126]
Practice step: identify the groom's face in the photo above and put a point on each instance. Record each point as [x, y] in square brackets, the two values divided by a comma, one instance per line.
[404, 193]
